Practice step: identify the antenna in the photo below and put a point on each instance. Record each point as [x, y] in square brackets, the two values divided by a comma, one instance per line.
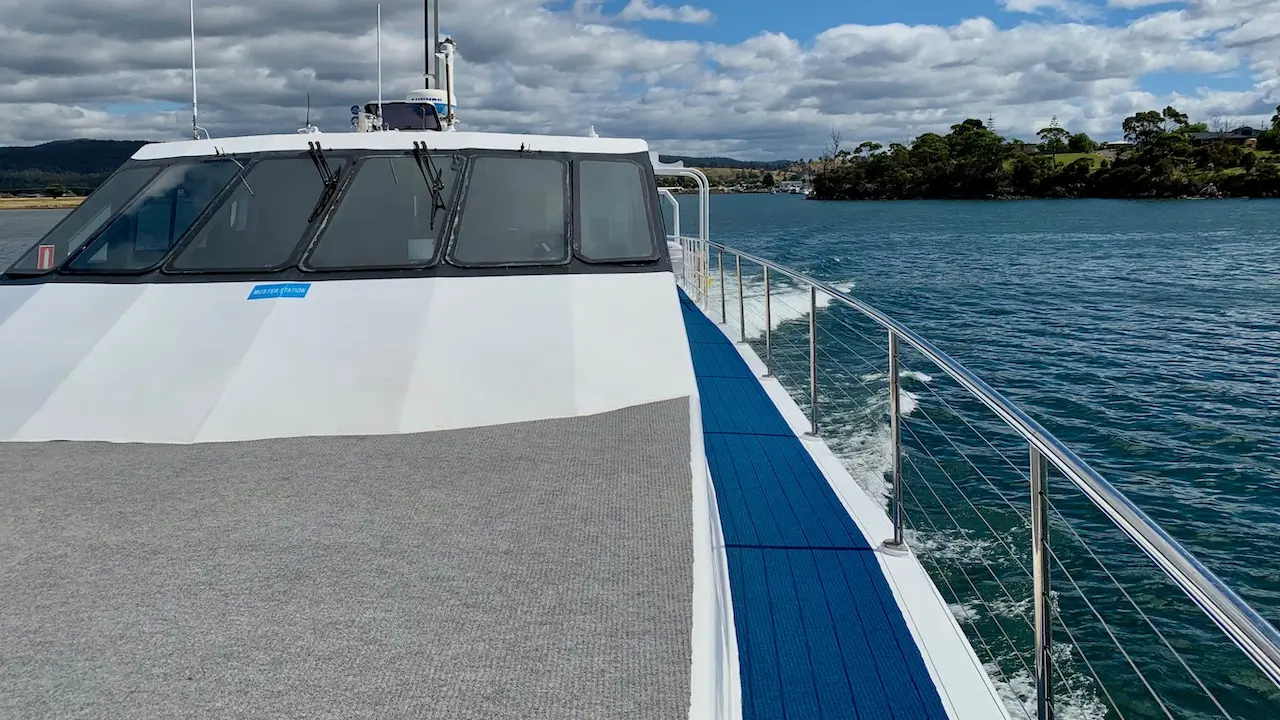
[379, 37]
[309, 128]
[436, 21]
[195, 126]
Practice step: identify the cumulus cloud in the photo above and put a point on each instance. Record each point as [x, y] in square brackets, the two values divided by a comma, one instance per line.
[1068, 8]
[1130, 4]
[120, 68]
[644, 10]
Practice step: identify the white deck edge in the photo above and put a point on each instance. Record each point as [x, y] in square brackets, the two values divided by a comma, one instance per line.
[963, 684]
[715, 683]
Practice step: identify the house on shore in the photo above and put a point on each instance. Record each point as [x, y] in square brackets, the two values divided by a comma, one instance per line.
[1244, 135]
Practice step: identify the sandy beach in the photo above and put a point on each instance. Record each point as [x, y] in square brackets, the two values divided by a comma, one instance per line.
[39, 203]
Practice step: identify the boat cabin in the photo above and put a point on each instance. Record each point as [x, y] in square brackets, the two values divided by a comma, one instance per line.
[362, 204]
[401, 115]
[406, 423]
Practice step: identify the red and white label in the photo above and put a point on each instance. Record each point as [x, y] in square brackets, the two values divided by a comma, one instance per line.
[45, 255]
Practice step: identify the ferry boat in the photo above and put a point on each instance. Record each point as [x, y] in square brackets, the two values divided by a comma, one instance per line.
[435, 423]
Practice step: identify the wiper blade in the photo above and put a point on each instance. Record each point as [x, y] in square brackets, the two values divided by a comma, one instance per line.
[327, 176]
[219, 152]
[433, 177]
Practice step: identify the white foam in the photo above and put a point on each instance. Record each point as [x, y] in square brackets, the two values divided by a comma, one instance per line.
[916, 375]
[787, 303]
[964, 612]
[1018, 692]
[861, 438]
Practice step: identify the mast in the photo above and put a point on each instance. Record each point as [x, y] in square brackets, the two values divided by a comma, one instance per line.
[426, 45]
[195, 126]
[434, 48]
[379, 41]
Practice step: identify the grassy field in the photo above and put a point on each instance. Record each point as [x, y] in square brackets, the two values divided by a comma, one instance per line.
[1068, 158]
[1096, 160]
[39, 203]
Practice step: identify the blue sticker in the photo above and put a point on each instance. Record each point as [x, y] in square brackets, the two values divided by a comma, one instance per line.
[282, 290]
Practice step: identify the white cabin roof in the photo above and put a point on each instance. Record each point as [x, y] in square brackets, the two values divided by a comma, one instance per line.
[391, 141]
[212, 362]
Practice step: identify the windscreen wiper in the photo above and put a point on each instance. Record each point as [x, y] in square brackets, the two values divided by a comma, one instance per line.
[327, 176]
[219, 152]
[433, 177]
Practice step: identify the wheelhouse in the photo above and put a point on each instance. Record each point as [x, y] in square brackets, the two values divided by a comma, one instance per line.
[405, 115]
[393, 205]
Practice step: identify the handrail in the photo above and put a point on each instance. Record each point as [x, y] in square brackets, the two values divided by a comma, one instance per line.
[1252, 633]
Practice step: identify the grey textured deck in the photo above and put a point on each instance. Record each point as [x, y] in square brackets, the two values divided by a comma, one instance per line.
[538, 570]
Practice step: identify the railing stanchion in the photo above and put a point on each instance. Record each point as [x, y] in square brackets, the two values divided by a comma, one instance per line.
[703, 260]
[724, 318]
[686, 263]
[706, 275]
[1040, 572]
[768, 327]
[813, 358]
[895, 434]
[742, 311]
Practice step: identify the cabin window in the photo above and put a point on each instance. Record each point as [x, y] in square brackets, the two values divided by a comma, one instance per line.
[613, 214]
[141, 236]
[260, 223]
[408, 116]
[392, 214]
[81, 224]
[515, 212]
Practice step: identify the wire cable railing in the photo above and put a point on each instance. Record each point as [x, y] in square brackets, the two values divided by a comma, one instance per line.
[1063, 628]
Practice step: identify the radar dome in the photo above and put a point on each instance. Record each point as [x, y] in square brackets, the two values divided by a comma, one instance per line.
[439, 98]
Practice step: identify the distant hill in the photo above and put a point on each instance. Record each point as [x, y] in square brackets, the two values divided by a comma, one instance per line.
[78, 165]
[729, 163]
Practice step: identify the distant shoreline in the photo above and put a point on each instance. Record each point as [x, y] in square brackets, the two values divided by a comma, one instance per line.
[62, 203]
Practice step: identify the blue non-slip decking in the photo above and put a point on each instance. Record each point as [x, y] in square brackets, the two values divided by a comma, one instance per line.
[819, 633]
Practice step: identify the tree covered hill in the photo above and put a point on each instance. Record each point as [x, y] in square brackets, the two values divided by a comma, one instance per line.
[78, 165]
[1165, 156]
[723, 163]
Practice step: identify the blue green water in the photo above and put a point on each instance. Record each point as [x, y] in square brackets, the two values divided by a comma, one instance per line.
[1145, 335]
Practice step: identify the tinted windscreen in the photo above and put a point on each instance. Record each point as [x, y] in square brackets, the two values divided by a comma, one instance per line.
[84, 221]
[261, 222]
[612, 215]
[514, 214]
[389, 216]
[141, 236]
[410, 116]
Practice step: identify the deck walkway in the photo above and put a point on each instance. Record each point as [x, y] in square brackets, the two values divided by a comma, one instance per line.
[819, 633]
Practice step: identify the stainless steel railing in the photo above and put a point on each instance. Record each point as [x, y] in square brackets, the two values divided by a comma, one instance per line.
[1246, 629]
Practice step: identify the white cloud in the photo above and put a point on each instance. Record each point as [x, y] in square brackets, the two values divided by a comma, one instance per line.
[644, 10]
[1069, 8]
[1131, 4]
[98, 68]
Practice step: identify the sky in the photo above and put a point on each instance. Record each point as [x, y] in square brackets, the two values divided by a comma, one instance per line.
[752, 79]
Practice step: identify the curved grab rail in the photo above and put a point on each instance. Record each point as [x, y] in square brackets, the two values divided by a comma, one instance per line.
[1251, 632]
